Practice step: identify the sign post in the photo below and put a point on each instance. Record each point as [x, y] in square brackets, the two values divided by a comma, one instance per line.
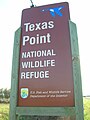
[46, 68]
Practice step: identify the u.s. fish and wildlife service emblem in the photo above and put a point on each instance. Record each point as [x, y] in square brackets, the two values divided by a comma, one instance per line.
[24, 93]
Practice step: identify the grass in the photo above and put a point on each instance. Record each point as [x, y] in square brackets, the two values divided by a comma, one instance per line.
[86, 108]
[4, 110]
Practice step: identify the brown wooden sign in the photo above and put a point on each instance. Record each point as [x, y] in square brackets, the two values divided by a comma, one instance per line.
[45, 69]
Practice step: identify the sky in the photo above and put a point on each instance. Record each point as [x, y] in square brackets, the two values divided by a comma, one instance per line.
[10, 21]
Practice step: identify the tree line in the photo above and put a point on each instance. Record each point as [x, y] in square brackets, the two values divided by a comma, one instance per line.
[4, 95]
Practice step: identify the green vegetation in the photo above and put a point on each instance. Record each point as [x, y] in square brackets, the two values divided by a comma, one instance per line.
[4, 95]
[86, 108]
[4, 110]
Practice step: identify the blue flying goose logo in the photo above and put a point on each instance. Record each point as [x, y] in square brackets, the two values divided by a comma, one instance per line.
[54, 11]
